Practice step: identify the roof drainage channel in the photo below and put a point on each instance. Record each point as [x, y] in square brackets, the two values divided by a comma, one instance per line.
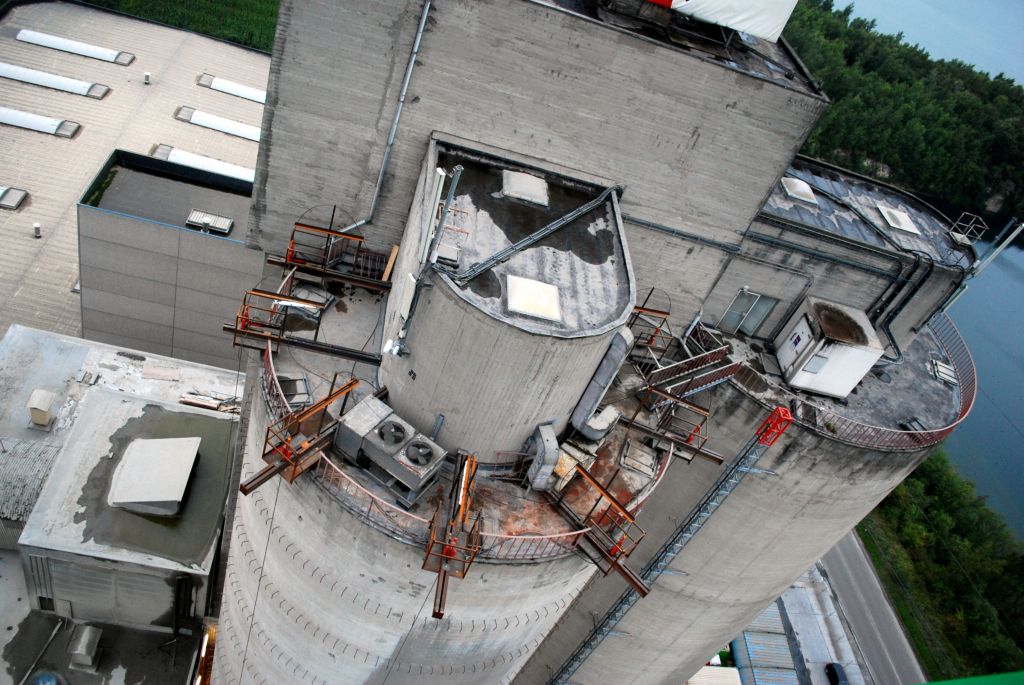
[48, 80]
[231, 88]
[218, 123]
[216, 166]
[75, 47]
[37, 122]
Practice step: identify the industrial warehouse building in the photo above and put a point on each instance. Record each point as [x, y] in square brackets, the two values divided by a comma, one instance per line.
[556, 283]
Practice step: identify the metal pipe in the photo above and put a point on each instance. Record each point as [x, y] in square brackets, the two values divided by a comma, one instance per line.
[725, 247]
[425, 267]
[997, 249]
[32, 667]
[392, 132]
[464, 277]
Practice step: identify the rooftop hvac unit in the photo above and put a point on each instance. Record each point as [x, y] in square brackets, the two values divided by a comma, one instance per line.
[419, 461]
[356, 424]
[387, 437]
[209, 223]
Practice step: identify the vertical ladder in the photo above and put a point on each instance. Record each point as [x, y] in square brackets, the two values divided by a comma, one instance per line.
[770, 430]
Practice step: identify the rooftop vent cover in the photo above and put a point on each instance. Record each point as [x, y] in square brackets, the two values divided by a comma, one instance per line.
[391, 432]
[40, 406]
[524, 187]
[206, 222]
[533, 298]
[898, 220]
[799, 190]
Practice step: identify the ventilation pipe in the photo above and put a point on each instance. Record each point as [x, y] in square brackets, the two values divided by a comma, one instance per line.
[394, 121]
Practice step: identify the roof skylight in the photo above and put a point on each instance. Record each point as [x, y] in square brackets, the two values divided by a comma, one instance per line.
[231, 88]
[898, 220]
[218, 123]
[215, 166]
[799, 189]
[37, 122]
[533, 298]
[48, 80]
[11, 198]
[75, 47]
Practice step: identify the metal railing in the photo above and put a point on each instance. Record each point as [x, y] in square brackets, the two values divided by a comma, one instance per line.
[838, 427]
[391, 518]
[528, 547]
[377, 512]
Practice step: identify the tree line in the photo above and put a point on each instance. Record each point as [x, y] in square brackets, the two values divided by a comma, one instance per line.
[938, 127]
[958, 571]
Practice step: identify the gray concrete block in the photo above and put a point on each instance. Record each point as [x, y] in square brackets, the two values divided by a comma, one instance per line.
[101, 335]
[216, 345]
[186, 298]
[128, 307]
[198, 322]
[129, 260]
[94, 278]
[223, 281]
[124, 230]
[220, 253]
[122, 327]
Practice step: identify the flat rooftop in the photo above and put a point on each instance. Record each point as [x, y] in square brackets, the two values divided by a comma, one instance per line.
[73, 515]
[169, 201]
[850, 206]
[586, 261]
[887, 397]
[105, 397]
[37, 276]
[732, 49]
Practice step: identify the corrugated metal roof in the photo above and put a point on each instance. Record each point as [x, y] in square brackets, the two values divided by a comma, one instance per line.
[24, 465]
[847, 205]
[770, 621]
[775, 676]
[768, 649]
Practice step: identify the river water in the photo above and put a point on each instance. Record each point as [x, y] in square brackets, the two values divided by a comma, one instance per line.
[988, 448]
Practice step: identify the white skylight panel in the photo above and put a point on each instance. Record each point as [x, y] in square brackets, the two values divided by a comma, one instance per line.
[231, 88]
[533, 298]
[898, 220]
[799, 189]
[218, 123]
[215, 166]
[11, 198]
[524, 187]
[75, 47]
[48, 80]
[37, 122]
[238, 90]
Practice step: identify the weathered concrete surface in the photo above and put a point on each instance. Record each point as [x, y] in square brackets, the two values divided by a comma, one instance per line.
[332, 600]
[768, 532]
[535, 80]
[158, 288]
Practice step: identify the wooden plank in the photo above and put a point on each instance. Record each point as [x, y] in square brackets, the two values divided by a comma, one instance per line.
[392, 258]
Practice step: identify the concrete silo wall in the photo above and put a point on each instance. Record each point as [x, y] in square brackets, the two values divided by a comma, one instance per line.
[340, 602]
[769, 531]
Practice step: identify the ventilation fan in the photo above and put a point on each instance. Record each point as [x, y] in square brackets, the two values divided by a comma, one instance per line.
[419, 453]
[391, 432]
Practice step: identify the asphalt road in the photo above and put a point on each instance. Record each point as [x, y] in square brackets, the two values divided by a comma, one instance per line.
[877, 633]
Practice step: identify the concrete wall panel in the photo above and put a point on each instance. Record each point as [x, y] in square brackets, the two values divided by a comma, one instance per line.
[136, 274]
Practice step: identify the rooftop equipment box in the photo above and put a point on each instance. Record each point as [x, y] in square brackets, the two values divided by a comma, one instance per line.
[827, 348]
